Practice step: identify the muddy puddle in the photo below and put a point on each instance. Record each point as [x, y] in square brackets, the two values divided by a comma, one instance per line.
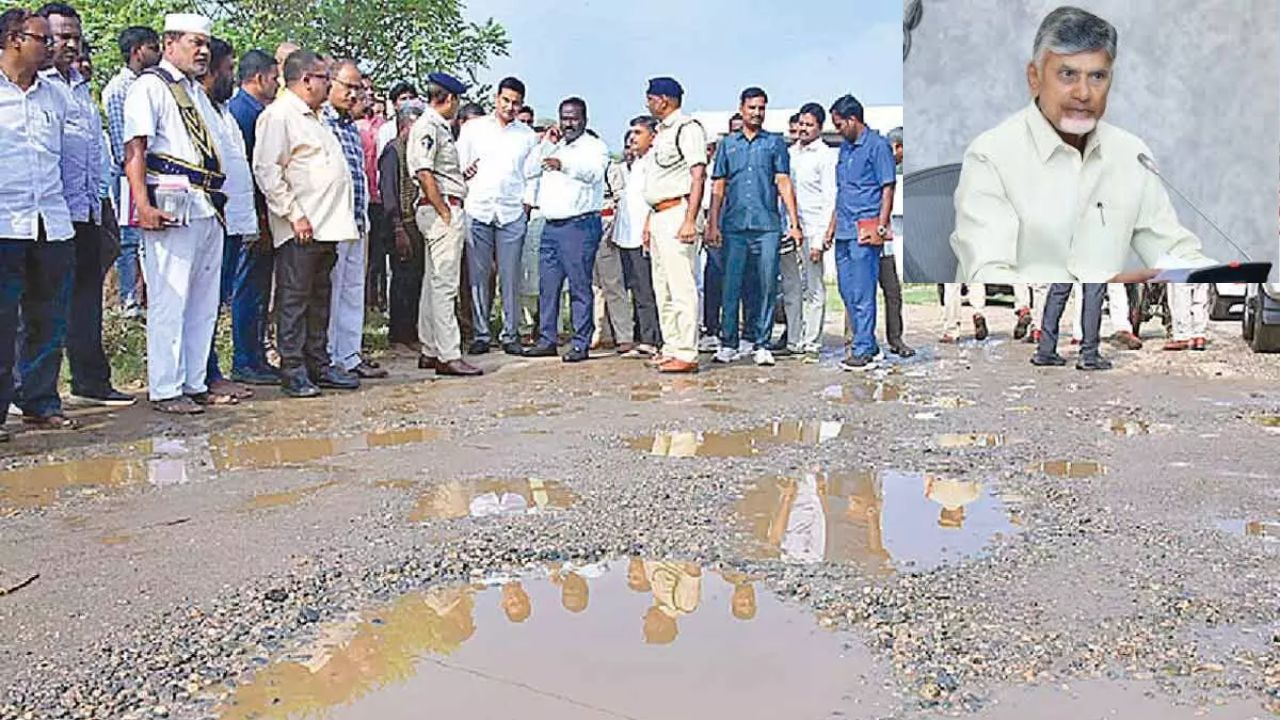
[651, 391]
[286, 498]
[1270, 423]
[480, 498]
[962, 441]
[741, 443]
[883, 520]
[627, 639]
[176, 461]
[1069, 468]
[885, 391]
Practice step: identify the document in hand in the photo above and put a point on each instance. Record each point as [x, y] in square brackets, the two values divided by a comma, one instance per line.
[1235, 272]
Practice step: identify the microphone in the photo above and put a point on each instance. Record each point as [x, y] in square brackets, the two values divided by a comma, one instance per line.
[1146, 162]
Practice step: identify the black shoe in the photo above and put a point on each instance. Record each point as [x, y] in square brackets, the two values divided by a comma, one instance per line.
[336, 379]
[479, 347]
[106, 398]
[575, 355]
[783, 351]
[513, 348]
[1054, 360]
[540, 350]
[778, 346]
[901, 349]
[255, 377]
[1097, 362]
[298, 385]
[858, 362]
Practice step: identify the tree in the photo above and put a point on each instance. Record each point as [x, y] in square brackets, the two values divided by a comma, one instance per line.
[391, 39]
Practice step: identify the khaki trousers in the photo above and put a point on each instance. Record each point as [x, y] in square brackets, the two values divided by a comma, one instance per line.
[442, 271]
[675, 284]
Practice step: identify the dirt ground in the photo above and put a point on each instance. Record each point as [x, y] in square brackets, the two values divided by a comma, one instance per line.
[1115, 551]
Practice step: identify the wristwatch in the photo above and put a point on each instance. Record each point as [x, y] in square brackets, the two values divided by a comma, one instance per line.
[882, 232]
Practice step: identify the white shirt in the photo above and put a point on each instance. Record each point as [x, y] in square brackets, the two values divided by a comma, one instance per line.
[578, 187]
[151, 112]
[241, 213]
[82, 149]
[628, 233]
[31, 131]
[497, 192]
[1031, 208]
[813, 174]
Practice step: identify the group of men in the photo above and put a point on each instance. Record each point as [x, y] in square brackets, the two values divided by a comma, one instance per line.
[274, 185]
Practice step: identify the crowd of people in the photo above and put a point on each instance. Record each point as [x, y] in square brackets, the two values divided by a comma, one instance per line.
[288, 188]
[277, 185]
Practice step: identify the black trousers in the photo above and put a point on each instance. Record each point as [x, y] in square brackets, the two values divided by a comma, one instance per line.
[892, 288]
[1090, 322]
[303, 290]
[406, 290]
[90, 372]
[637, 273]
[381, 244]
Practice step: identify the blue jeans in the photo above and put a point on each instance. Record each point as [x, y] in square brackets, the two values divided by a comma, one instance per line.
[35, 285]
[245, 284]
[127, 265]
[485, 242]
[858, 272]
[568, 251]
[750, 278]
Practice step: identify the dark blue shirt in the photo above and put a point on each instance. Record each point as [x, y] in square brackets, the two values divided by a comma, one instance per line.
[864, 167]
[750, 169]
[246, 108]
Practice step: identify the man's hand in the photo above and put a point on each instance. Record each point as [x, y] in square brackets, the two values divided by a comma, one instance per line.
[1135, 276]
[470, 171]
[552, 163]
[403, 249]
[552, 134]
[712, 236]
[797, 235]
[302, 231]
[151, 217]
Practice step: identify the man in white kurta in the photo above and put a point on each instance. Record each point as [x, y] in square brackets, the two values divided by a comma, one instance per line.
[182, 262]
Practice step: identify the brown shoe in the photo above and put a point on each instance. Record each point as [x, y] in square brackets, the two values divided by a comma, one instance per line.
[674, 365]
[210, 397]
[625, 348]
[369, 371]
[457, 368]
[234, 389]
[1176, 345]
[427, 363]
[1023, 325]
[947, 339]
[1126, 340]
[979, 327]
[1199, 343]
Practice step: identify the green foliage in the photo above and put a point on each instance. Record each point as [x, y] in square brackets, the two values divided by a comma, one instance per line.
[391, 39]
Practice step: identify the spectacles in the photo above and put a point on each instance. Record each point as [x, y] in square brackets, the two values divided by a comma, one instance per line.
[323, 78]
[46, 39]
[353, 87]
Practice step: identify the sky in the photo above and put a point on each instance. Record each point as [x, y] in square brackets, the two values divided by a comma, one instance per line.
[606, 50]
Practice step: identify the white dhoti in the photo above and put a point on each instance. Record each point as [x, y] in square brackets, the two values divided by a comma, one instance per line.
[1189, 305]
[182, 267]
[346, 305]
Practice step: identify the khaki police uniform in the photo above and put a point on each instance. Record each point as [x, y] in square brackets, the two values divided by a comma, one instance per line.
[680, 145]
[431, 148]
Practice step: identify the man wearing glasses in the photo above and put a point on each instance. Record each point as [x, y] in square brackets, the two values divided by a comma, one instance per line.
[310, 193]
[35, 259]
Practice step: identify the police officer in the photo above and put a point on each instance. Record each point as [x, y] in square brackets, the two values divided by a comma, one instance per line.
[673, 189]
[433, 160]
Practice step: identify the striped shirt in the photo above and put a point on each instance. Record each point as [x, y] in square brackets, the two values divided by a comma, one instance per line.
[353, 151]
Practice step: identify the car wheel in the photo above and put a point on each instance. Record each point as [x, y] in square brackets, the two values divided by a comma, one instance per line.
[1266, 338]
[1219, 307]
[1246, 321]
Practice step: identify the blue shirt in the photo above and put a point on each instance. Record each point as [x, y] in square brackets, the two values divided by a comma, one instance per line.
[864, 167]
[349, 136]
[750, 169]
[246, 108]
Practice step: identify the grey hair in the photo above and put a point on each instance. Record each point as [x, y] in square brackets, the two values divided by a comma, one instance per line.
[1070, 31]
[895, 136]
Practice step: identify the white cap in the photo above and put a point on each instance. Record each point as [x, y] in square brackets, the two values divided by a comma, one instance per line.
[188, 23]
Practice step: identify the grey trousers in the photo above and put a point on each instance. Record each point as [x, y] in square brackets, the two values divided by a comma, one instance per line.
[1090, 318]
[505, 242]
[614, 318]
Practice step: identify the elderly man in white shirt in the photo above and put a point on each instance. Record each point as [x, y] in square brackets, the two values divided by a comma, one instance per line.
[496, 152]
[168, 133]
[36, 260]
[1054, 194]
[571, 196]
[813, 173]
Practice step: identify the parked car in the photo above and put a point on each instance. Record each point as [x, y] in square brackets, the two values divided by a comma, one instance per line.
[1226, 300]
[1260, 321]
